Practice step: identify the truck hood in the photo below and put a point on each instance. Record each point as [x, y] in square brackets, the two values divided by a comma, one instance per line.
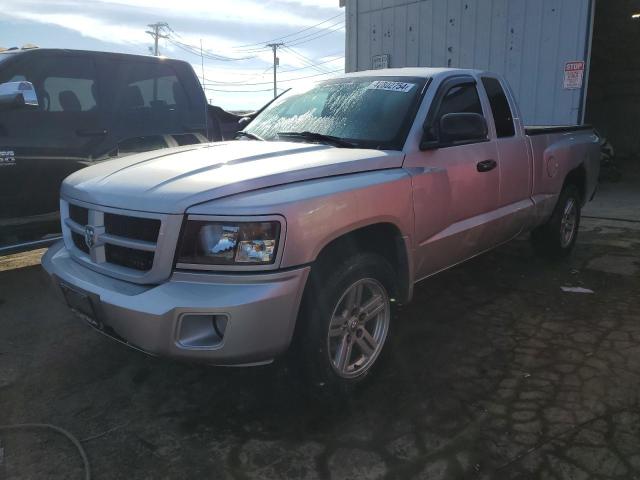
[170, 181]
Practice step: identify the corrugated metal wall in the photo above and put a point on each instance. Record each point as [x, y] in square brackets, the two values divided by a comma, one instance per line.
[527, 41]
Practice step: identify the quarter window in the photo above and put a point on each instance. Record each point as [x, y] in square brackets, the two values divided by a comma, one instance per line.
[502, 115]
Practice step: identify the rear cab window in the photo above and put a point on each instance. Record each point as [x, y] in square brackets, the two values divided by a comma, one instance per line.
[151, 86]
[502, 115]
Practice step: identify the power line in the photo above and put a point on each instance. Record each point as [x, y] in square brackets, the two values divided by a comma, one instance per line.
[335, 27]
[329, 29]
[221, 84]
[254, 75]
[310, 66]
[195, 50]
[319, 35]
[289, 35]
[235, 91]
[305, 60]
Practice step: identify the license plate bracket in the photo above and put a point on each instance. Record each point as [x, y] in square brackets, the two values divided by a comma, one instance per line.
[80, 303]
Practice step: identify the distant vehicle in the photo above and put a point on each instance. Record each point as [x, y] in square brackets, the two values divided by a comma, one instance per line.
[342, 197]
[62, 110]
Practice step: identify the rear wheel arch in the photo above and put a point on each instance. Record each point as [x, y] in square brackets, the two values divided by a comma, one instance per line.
[578, 178]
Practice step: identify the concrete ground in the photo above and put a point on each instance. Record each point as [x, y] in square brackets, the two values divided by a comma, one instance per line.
[493, 372]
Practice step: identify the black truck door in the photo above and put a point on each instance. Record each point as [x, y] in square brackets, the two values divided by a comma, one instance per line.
[48, 143]
[52, 141]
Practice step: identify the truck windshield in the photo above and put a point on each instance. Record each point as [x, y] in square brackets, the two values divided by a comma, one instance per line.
[366, 112]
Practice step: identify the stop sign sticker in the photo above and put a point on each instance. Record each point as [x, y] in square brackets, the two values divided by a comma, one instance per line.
[573, 75]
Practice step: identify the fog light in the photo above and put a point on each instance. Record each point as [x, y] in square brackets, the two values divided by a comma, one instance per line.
[201, 330]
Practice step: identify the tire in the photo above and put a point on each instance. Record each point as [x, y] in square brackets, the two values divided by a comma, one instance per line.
[342, 358]
[557, 238]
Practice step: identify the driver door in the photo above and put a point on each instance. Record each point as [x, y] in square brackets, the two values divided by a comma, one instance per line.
[456, 188]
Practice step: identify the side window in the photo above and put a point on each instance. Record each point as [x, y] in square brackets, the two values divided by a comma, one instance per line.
[502, 115]
[151, 86]
[68, 84]
[69, 94]
[460, 99]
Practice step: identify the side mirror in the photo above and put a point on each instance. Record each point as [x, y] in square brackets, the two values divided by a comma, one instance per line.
[18, 95]
[462, 127]
[243, 122]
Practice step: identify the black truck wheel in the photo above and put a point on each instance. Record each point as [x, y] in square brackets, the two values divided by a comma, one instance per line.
[345, 322]
[558, 236]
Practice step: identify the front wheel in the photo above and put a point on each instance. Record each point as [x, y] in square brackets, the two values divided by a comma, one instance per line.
[345, 321]
[558, 236]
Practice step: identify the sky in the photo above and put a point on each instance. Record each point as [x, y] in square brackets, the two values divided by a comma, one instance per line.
[238, 68]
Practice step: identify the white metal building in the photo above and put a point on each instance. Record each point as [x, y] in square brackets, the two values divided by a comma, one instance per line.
[542, 47]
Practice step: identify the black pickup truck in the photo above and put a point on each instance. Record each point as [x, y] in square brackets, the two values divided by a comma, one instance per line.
[62, 110]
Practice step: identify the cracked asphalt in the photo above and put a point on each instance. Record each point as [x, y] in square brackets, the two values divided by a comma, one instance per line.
[492, 372]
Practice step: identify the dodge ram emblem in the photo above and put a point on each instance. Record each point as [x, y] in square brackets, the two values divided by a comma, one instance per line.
[89, 236]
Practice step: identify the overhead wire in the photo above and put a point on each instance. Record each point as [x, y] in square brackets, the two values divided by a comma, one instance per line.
[317, 36]
[305, 60]
[317, 63]
[307, 63]
[290, 34]
[247, 82]
[195, 50]
[213, 82]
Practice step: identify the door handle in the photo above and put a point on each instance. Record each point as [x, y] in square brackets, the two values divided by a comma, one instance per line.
[486, 165]
[91, 133]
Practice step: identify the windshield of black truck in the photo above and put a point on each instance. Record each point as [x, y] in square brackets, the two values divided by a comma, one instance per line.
[368, 112]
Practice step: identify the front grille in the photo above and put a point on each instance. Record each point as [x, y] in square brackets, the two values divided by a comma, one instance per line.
[146, 229]
[78, 241]
[129, 257]
[123, 246]
[80, 215]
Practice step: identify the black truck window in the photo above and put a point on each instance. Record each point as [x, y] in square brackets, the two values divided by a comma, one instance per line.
[502, 115]
[63, 83]
[152, 86]
[461, 99]
[70, 94]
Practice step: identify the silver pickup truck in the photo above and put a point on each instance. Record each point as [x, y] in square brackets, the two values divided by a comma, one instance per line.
[328, 208]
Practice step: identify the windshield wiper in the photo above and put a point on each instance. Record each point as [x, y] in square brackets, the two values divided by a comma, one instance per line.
[319, 137]
[252, 136]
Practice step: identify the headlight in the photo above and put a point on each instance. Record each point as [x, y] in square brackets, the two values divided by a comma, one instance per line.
[229, 243]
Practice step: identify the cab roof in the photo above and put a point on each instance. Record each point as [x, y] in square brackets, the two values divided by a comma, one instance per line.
[92, 53]
[416, 72]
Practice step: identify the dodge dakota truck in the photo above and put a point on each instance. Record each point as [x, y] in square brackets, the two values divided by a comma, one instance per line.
[302, 234]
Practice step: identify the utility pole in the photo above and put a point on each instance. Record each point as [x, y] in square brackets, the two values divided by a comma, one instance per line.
[156, 33]
[274, 47]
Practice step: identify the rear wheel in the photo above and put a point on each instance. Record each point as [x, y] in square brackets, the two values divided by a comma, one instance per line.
[558, 236]
[345, 321]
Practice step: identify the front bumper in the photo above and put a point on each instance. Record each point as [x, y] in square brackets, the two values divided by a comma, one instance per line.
[176, 319]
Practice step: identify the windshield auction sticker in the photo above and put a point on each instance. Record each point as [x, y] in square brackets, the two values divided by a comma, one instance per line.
[391, 86]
